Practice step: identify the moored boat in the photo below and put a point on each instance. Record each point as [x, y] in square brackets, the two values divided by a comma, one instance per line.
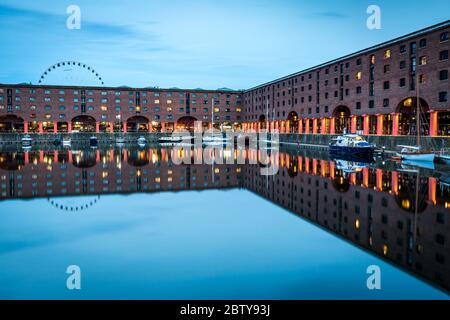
[141, 141]
[93, 141]
[351, 144]
[413, 153]
[27, 140]
[66, 142]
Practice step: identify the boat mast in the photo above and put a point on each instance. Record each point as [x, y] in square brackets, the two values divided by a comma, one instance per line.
[417, 109]
[212, 113]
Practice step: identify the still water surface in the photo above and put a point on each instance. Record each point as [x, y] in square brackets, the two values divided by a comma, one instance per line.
[141, 228]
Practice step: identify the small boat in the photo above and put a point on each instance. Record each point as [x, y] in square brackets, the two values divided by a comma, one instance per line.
[27, 140]
[93, 141]
[170, 139]
[415, 153]
[141, 141]
[351, 144]
[407, 164]
[444, 156]
[120, 140]
[66, 142]
[349, 167]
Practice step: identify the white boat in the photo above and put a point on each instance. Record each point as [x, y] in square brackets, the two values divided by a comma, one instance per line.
[174, 140]
[351, 145]
[66, 142]
[349, 167]
[120, 140]
[27, 140]
[141, 141]
[413, 153]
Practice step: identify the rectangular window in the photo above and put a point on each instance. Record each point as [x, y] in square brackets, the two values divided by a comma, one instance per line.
[443, 55]
[443, 96]
[423, 60]
[444, 36]
[402, 82]
[423, 43]
[443, 75]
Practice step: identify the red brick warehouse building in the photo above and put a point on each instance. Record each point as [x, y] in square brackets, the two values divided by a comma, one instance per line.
[49, 109]
[373, 91]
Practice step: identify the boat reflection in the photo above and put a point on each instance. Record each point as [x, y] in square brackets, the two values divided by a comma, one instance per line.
[401, 216]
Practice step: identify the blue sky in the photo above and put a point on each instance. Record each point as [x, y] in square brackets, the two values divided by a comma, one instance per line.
[191, 44]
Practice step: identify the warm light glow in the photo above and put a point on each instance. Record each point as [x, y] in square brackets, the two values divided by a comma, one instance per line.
[406, 204]
[359, 75]
[385, 250]
[408, 102]
[387, 54]
[157, 179]
[104, 174]
[357, 224]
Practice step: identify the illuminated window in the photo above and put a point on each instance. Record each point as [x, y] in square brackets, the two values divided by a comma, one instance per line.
[359, 75]
[238, 109]
[169, 101]
[357, 224]
[169, 109]
[157, 179]
[423, 60]
[387, 54]
[216, 110]
[48, 116]
[385, 250]
[104, 108]
[157, 101]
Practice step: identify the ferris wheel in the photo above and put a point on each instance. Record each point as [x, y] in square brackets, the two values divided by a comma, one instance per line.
[71, 73]
[74, 204]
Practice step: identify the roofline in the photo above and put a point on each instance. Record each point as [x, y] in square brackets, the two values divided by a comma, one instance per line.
[435, 27]
[124, 88]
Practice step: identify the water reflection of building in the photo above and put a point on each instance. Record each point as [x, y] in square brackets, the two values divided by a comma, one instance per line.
[59, 173]
[372, 208]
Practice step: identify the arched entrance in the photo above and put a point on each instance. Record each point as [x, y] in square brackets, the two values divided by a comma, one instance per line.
[84, 159]
[342, 119]
[293, 121]
[83, 124]
[61, 127]
[407, 117]
[11, 124]
[138, 158]
[137, 124]
[262, 122]
[12, 161]
[186, 123]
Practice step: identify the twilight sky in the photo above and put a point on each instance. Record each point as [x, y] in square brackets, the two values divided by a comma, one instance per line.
[198, 43]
